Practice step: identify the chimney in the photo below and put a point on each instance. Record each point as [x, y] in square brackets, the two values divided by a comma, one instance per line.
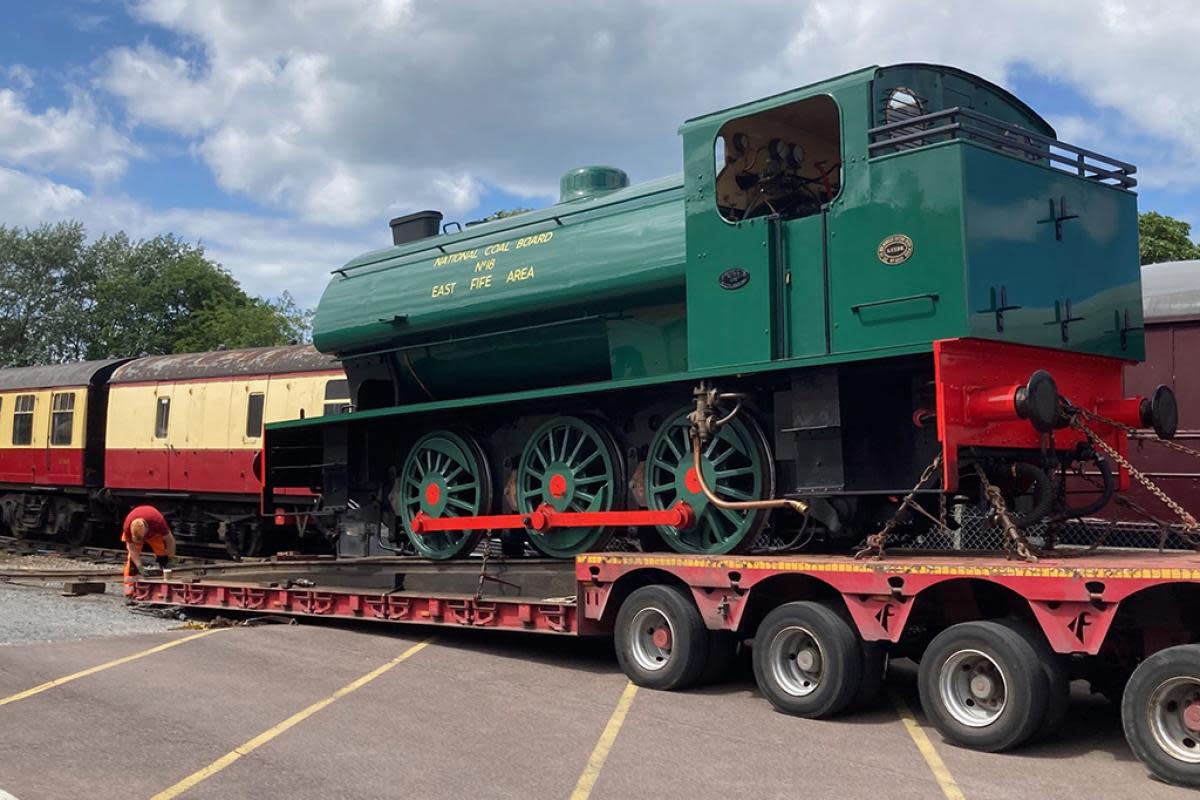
[412, 227]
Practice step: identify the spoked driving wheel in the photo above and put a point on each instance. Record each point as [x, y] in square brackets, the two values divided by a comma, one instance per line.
[737, 466]
[569, 464]
[445, 475]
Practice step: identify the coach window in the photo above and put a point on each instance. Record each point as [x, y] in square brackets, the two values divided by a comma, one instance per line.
[254, 416]
[337, 397]
[784, 161]
[162, 417]
[22, 431]
[62, 417]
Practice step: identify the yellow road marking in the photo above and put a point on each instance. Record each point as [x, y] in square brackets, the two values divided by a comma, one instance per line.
[583, 788]
[267, 735]
[941, 774]
[101, 667]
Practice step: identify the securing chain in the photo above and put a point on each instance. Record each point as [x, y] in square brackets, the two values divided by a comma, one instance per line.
[1015, 542]
[1189, 522]
[1132, 431]
[876, 542]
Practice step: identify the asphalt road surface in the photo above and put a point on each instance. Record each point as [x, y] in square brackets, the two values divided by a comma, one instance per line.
[316, 711]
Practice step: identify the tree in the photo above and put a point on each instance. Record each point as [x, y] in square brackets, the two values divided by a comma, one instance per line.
[1162, 238]
[63, 299]
[43, 288]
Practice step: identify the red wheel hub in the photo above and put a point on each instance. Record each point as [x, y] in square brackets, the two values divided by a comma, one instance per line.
[1191, 716]
[662, 638]
[558, 485]
[433, 493]
[692, 481]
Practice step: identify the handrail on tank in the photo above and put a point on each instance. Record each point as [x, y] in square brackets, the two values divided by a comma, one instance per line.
[956, 121]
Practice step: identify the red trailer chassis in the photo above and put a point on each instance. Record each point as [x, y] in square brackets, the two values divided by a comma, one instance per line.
[1073, 598]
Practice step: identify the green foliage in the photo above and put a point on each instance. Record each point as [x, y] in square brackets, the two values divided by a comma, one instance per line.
[1162, 238]
[63, 299]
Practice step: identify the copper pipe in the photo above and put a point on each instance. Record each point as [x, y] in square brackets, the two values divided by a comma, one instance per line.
[798, 506]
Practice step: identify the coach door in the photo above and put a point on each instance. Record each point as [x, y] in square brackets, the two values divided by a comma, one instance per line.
[757, 185]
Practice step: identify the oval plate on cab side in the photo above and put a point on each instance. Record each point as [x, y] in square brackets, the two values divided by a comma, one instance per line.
[895, 249]
[734, 278]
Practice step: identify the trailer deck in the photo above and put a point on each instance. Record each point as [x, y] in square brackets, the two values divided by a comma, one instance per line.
[1074, 595]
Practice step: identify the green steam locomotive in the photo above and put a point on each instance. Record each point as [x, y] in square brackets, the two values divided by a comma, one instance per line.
[895, 274]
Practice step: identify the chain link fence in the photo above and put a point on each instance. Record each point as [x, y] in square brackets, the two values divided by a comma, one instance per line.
[973, 530]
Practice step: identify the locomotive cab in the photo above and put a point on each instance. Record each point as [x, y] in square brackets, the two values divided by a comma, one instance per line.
[898, 206]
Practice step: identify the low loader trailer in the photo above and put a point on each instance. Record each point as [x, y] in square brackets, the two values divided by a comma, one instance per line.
[997, 641]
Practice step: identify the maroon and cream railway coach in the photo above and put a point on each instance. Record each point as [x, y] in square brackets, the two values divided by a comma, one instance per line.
[82, 443]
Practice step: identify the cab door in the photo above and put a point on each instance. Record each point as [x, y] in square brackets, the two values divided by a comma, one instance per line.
[757, 187]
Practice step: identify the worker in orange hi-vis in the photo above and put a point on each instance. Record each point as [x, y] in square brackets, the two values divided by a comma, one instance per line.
[145, 525]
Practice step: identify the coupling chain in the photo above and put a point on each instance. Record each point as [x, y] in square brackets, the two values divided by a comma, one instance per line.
[1132, 431]
[1189, 522]
[1015, 542]
[876, 542]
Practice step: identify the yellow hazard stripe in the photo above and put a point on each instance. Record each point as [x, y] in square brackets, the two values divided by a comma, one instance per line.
[903, 568]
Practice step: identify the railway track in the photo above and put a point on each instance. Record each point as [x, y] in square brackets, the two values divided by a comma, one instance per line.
[20, 546]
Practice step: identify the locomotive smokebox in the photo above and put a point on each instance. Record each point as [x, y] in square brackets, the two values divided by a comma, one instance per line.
[412, 227]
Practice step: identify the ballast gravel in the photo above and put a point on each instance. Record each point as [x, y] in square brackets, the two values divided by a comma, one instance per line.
[35, 610]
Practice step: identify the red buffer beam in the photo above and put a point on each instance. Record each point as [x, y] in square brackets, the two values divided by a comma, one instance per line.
[545, 518]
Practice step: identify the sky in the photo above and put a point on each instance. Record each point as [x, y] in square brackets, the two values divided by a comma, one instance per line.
[283, 134]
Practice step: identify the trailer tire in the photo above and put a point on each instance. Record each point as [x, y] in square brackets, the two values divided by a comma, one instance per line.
[1058, 678]
[808, 660]
[983, 686]
[660, 638]
[1160, 713]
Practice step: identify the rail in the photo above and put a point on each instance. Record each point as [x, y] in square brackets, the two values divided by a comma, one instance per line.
[970, 125]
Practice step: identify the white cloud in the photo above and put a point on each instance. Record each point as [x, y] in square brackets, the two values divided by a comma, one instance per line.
[339, 111]
[19, 76]
[29, 199]
[338, 115]
[73, 141]
[265, 253]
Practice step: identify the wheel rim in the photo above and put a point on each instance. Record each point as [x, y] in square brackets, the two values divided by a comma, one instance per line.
[1175, 718]
[973, 688]
[569, 464]
[444, 475]
[653, 639]
[797, 661]
[736, 467]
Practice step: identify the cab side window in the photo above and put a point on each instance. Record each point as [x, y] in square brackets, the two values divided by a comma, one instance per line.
[254, 415]
[784, 161]
[62, 417]
[22, 431]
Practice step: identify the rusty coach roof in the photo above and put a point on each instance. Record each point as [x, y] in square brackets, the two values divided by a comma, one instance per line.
[79, 373]
[226, 363]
